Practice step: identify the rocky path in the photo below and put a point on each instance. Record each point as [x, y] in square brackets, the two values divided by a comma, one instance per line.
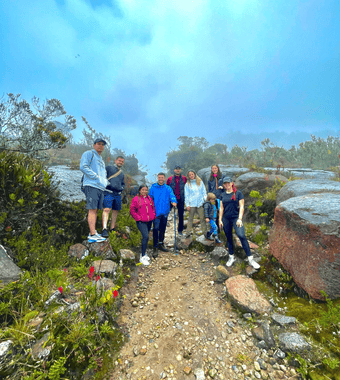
[181, 327]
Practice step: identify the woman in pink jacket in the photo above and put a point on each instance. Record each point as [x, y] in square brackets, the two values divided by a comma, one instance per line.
[143, 212]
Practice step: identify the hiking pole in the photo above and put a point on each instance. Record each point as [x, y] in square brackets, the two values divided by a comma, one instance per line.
[175, 228]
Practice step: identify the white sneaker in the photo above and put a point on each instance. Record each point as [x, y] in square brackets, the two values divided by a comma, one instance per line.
[253, 263]
[144, 260]
[96, 238]
[231, 260]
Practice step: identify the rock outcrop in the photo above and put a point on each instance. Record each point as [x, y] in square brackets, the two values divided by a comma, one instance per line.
[306, 186]
[226, 170]
[305, 239]
[9, 272]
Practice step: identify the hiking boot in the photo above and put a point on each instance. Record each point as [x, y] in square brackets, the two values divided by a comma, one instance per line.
[155, 252]
[180, 233]
[162, 248]
[253, 263]
[218, 241]
[96, 238]
[144, 260]
[105, 234]
[231, 260]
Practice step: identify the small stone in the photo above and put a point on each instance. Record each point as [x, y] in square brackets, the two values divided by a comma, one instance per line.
[257, 366]
[179, 358]
[187, 370]
[143, 351]
[135, 351]
[257, 375]
[212, 373]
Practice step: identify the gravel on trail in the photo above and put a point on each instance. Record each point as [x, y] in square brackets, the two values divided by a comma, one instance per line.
[181, 326]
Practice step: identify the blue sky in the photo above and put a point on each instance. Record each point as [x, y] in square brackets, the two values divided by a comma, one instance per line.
[148, 71]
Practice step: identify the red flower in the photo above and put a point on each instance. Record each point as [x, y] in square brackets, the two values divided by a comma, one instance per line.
[8, 228]
[60, 289]
[97, 278]
[115, 293]
[91, 272]
[65, 270]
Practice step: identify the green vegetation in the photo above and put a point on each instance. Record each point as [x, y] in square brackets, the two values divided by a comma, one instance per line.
[195, 153]
[58, 301]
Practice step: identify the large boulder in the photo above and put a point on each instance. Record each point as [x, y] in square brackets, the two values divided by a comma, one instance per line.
[9, 272]
[307, 186]
[308, 173]
[245, 295]
[226, 170]
[305, 239]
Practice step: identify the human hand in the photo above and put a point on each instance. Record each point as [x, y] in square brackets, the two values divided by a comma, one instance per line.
[207, 220]
[239, 223]
[220, 223]
[174, 204]
[188, 208]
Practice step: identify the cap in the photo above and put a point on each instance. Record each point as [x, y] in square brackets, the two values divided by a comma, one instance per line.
[177, 167]
[99, 140]
[227, 179]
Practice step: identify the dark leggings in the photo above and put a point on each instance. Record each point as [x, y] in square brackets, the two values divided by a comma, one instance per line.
[144, 228]
[228, 225]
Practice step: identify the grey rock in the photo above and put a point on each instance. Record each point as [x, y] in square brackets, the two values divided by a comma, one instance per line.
[308, 173]
[4, 347]
[9, 271]
[56, 295]
[278, 354]
[38, 350]
[293, 342]
[262, 344]
[268, 334]
[219, 253]
[221, 274]
[226, 170]
[199, 373]
[127, 254]
[304, 187]
[247, 316]
[107, 267]
[283, 320]
[101, 249]
[79, 251]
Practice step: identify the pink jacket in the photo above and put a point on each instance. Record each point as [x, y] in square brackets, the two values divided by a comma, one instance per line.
[142, 209]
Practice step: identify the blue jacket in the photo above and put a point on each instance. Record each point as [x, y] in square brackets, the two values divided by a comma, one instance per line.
[93, 167]
[212, 187]
[162, 197]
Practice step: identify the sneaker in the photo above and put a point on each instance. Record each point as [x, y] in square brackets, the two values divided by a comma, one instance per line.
[218, 241]
[231, 260]
[253, 263]
[180, 233]
[162, 248]
[105, 234]
[144, 260]
[96, 238]
[112, 229]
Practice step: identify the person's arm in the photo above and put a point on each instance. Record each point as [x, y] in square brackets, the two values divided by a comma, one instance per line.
[173, 198]
[220, 215]
[134, 209]
[168, 181]
[240, 213]
[85, 162]
[187, 196]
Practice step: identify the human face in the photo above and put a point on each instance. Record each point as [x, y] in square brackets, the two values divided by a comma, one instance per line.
[119, 162]
[191, 176]
[143, 191]
[228, 186]
[177, 171]
[212, 201]
[161, 179]
[214, 169]
[99, 147]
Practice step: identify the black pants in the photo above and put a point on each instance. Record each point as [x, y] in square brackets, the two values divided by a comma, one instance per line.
[144, 228]
[180, 208]
[159, 226]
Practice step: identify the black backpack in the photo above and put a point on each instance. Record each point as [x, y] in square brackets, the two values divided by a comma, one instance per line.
[82, 178]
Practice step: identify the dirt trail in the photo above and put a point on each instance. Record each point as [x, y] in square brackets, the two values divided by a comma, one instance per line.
[181, 327]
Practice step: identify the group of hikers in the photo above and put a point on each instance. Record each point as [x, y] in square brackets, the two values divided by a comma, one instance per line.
[221, 207]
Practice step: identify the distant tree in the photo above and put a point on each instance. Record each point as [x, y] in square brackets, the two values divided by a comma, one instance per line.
[33, 130]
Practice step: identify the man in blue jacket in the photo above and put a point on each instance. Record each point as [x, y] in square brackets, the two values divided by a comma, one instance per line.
[112, 195]
[95, 182]
[162, 196]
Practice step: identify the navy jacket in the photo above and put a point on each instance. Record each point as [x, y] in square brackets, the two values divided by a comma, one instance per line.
[116, 184]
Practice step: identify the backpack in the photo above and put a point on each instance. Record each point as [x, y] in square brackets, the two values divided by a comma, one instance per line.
[82, 178]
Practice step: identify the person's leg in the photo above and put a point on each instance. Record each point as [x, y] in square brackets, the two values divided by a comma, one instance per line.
[228, 230]
[116, 207]
[200, 212]
[107, 204]
[190, 219]
[162, 228]
[143, 228]
[105, 217]
[180, 208]
[241, 233]
[92, 218]
[155, 231]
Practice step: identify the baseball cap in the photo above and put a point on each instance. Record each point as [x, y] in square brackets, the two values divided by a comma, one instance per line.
[99, 140]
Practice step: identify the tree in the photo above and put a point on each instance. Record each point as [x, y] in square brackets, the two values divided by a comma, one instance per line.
[32, 131]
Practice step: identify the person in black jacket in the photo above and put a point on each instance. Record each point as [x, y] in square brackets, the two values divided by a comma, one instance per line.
[177, 183]
[113, 200]
[215, 184]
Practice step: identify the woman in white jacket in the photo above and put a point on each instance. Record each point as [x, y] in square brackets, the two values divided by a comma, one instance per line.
[195, 196]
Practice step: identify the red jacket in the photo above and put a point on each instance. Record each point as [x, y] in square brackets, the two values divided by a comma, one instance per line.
[142, 209]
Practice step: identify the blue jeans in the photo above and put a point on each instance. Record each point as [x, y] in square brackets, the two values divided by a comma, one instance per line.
[144, 228]
[228, 225]
[159, 226]
[213, 227]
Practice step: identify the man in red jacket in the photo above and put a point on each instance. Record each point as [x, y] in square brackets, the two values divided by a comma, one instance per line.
[177, 183]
